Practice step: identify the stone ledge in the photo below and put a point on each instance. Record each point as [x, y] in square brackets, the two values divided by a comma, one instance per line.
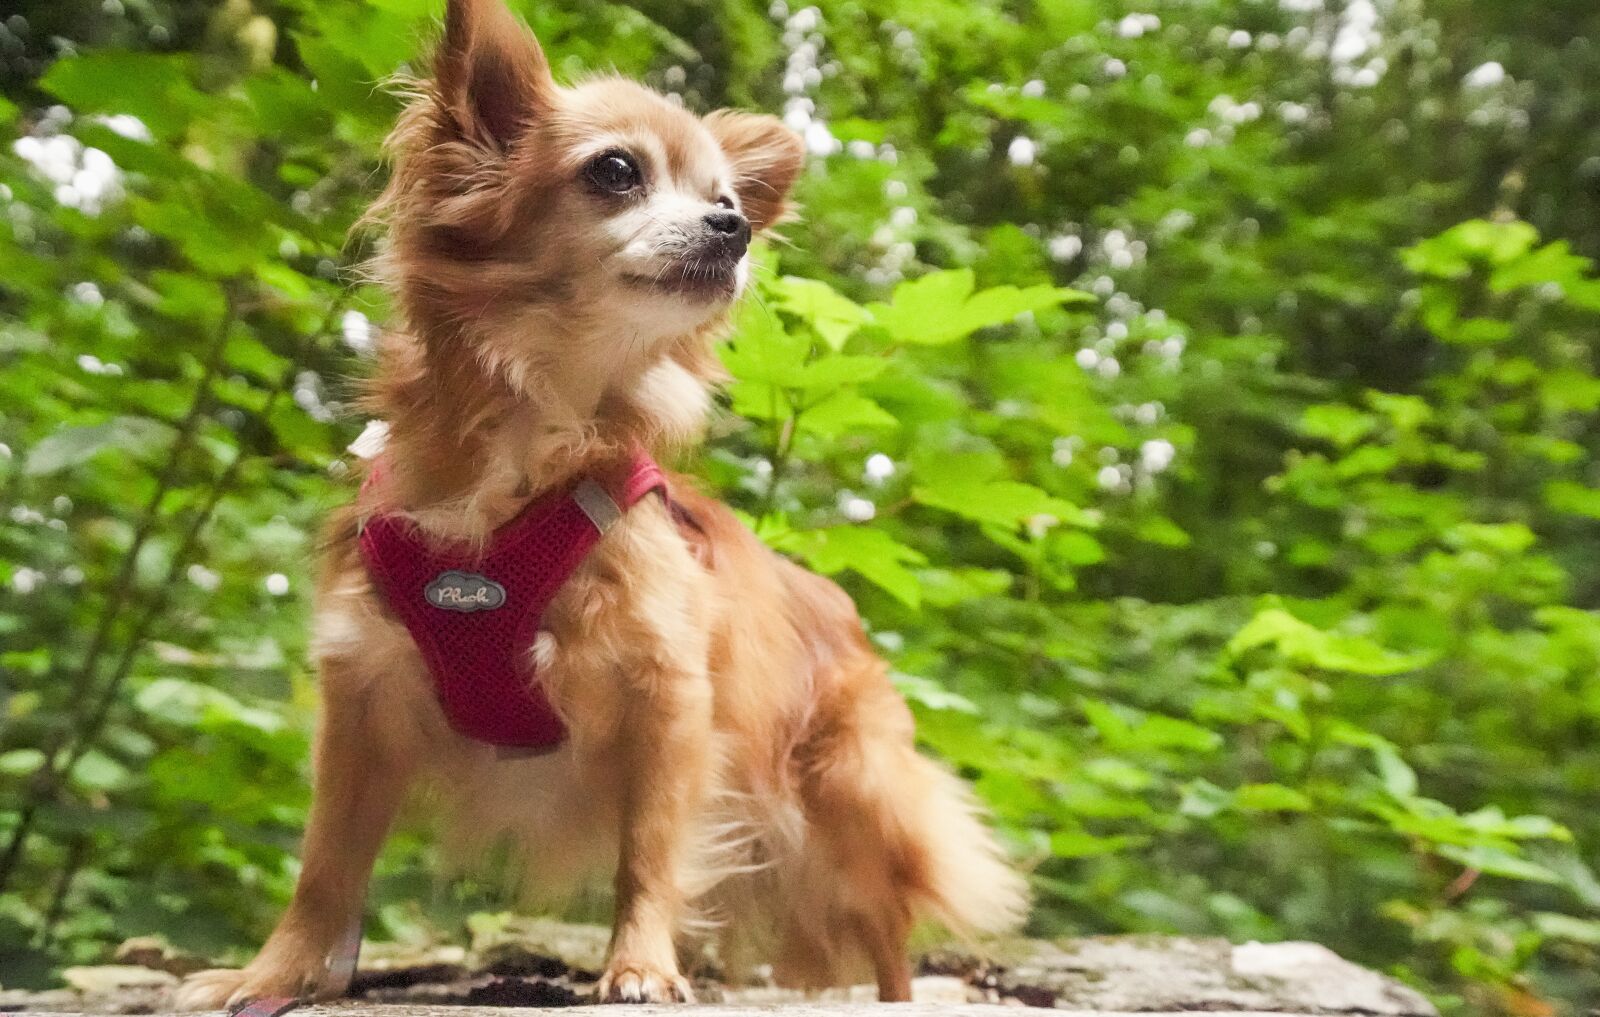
[539, 966]
[803, 1009]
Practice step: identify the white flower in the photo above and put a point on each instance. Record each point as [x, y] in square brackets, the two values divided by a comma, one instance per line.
[127, 125]
[369, 443]
[1033, 88]
[1062, 451]
[856, 508]
[1087, 358]
[805, 19]
[26, 580]
[277, 584]
[1485, 75]
[208, 580]
[1065, 247]
[1113, 68]
[356, 331]
[1239, 39]
[1109, 367]
[84, 179]
[1131, 27]
[1294, 112]
[820, 140]
[1022, 150]
[1156, 455]
[1041, 524]
[1110, 479]
[879, 468]
[1366, 77]
[860, 149]
[86, 293]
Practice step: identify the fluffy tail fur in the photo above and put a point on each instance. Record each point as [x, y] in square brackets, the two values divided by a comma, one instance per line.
[969, 887]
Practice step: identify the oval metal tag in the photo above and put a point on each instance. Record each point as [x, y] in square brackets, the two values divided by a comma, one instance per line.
[465, 592]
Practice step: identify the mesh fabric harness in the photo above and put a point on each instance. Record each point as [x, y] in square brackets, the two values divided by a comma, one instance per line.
[474, 614]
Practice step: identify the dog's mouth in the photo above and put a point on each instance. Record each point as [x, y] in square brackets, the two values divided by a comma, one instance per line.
[697, 280]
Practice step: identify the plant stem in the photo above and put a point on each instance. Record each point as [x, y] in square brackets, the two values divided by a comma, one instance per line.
[51, 773]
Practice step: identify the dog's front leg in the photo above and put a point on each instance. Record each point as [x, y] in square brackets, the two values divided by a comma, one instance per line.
[360, 780]
[664, 754]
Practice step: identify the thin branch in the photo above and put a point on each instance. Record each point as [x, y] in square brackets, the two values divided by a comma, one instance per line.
[51, 774]
[42, 784]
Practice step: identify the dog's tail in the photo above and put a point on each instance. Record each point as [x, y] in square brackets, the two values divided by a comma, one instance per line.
[967, 884]
[902, 823]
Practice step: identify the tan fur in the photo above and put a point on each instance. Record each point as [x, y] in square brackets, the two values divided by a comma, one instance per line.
[737, 754]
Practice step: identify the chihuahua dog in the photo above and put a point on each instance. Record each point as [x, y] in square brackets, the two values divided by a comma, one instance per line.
[564, 258]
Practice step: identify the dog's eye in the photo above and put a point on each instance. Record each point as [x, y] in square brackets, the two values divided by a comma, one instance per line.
[615, 172]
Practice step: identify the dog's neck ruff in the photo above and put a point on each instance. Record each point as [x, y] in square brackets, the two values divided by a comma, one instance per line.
[475, 613]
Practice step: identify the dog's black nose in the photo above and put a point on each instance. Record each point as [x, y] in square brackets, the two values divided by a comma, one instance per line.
[730, 230]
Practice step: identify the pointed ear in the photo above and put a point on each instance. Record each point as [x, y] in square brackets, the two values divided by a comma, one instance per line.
[766, 158]
[490, 71]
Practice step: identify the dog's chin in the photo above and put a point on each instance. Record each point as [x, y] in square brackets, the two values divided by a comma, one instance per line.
[708, 284]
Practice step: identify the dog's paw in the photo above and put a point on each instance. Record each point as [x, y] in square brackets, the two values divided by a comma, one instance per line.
[625, 982]
[207, 990]
[228, 988]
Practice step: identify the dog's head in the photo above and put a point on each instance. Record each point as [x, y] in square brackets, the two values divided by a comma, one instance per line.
[540, 216]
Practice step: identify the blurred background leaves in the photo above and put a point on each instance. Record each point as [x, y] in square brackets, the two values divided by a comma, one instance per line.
[1198, 396]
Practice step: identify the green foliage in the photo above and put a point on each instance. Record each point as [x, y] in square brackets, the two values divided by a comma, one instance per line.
[1205, 424]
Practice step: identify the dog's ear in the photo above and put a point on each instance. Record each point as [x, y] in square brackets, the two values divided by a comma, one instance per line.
[491, 74]
[766, 158]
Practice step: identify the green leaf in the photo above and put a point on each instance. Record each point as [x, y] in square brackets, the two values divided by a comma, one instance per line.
[153, 87]
[941, 307]
[1453, 253]
[870, 552]
[844, 413]
[1337, 423]
[930, 694]
[1005, 503]
[97, 771]
[1553, 263]
[1498, 862]
[1124, 730]
[1270, 798]
[1572, 499]
[1552, 925]
[1305, 644]
[835, 317]
[72, 446]
[21, 762]
[1503, 538]
[1078, 844]
[190, 704]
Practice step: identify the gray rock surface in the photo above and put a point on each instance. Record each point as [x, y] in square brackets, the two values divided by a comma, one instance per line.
[535, 967]
[1158, 973]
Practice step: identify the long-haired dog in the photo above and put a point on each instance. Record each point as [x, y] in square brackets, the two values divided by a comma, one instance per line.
[564, 258]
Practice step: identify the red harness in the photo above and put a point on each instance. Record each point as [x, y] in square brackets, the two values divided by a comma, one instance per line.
[475, 614]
